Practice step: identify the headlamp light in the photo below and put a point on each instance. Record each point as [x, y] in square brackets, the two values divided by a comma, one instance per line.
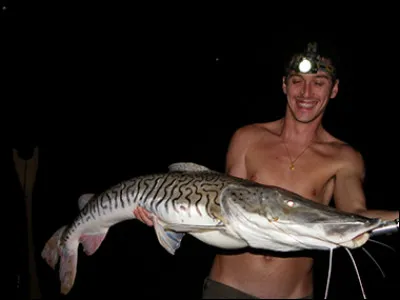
[311, 62]
[305, 65]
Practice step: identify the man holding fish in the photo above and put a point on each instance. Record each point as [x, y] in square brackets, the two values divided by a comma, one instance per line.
[297, 154]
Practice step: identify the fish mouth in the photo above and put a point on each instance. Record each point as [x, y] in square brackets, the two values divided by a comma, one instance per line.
[361, 238]
[357, 241]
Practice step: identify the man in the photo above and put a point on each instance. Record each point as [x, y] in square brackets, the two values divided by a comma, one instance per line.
[298, 154]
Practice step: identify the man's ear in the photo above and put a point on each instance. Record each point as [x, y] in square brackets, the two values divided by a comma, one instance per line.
[335, 89]
[284, 86]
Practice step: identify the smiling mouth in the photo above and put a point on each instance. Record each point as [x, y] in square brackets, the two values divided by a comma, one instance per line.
[305, 104]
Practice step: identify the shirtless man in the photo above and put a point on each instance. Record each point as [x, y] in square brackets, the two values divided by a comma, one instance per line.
[298, 154]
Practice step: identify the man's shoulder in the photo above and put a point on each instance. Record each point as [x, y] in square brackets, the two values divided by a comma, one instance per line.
[345, 149]
[342, 146]
[256, 129]
[350, 154]
[348, 157]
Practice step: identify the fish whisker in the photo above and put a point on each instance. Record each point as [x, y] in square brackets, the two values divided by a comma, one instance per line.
[358, 274]
[374, 260]
[382, 244]
[329, 273]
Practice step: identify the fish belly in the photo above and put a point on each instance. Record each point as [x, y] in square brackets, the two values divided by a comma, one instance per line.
[219, 239]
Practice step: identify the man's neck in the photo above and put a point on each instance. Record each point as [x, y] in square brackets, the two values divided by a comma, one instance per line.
[300, 133]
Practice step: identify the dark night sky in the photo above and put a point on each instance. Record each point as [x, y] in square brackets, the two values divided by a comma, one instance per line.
[109, 97]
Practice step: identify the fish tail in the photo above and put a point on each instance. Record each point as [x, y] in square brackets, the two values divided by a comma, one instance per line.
[50, 252]
[68, 265]
[67, 253]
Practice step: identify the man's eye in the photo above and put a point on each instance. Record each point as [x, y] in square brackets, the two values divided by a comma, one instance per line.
[319, 83]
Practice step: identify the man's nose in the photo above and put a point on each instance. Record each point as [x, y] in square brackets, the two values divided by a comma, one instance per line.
[306, 90]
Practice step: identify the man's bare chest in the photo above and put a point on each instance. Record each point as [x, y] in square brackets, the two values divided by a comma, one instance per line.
[310, 175]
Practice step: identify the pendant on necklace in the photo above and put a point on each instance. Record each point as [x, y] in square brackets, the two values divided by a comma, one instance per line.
[291, 167]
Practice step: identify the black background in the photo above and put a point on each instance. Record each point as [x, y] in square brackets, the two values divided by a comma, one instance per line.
[111, 92]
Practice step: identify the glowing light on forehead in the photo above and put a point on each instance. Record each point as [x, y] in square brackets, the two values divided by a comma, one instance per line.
[304, 65]
[310, 62]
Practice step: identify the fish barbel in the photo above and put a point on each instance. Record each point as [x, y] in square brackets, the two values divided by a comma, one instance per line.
[218, 209]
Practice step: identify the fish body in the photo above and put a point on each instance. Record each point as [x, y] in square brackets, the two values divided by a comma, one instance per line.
[218, 209]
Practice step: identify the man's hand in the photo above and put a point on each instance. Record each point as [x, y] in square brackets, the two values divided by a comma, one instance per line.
[143, 215]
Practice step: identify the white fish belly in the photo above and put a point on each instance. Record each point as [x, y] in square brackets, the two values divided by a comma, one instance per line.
[219, 239]
[190, 214]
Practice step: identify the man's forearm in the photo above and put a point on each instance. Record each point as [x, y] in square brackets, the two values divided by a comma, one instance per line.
[383, 214]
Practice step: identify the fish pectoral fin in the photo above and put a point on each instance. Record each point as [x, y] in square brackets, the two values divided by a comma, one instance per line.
[193, 228]
[170, 240]
[216, 211]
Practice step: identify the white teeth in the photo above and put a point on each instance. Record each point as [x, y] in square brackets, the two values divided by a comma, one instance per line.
[305, 105]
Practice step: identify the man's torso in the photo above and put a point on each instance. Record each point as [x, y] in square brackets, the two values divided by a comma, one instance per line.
[268, 162]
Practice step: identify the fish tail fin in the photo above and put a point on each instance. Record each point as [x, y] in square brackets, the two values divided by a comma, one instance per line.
[50, 252]
[69, 257]
[67, 253]
[68, 266]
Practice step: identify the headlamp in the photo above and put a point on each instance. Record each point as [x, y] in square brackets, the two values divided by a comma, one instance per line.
[310, 62]
[305, 65]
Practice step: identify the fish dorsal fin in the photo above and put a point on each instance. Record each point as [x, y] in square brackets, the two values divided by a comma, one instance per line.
[187, 167]
[84, 199]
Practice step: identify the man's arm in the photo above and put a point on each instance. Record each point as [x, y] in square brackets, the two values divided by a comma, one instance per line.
[349, 194]
[235, 157]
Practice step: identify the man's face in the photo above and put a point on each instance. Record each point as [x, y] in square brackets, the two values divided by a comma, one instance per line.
[308, 94]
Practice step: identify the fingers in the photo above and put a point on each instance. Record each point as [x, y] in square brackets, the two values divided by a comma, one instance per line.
[146, 217]
[143, 215]
[138, 214]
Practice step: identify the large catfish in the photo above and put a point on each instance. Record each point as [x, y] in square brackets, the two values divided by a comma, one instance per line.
[218, 209]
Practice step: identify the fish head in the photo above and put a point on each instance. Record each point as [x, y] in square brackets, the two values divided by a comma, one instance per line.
[293, 222]
[315, 223]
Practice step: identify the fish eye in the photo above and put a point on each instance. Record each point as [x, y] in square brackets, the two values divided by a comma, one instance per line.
[290, 203]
